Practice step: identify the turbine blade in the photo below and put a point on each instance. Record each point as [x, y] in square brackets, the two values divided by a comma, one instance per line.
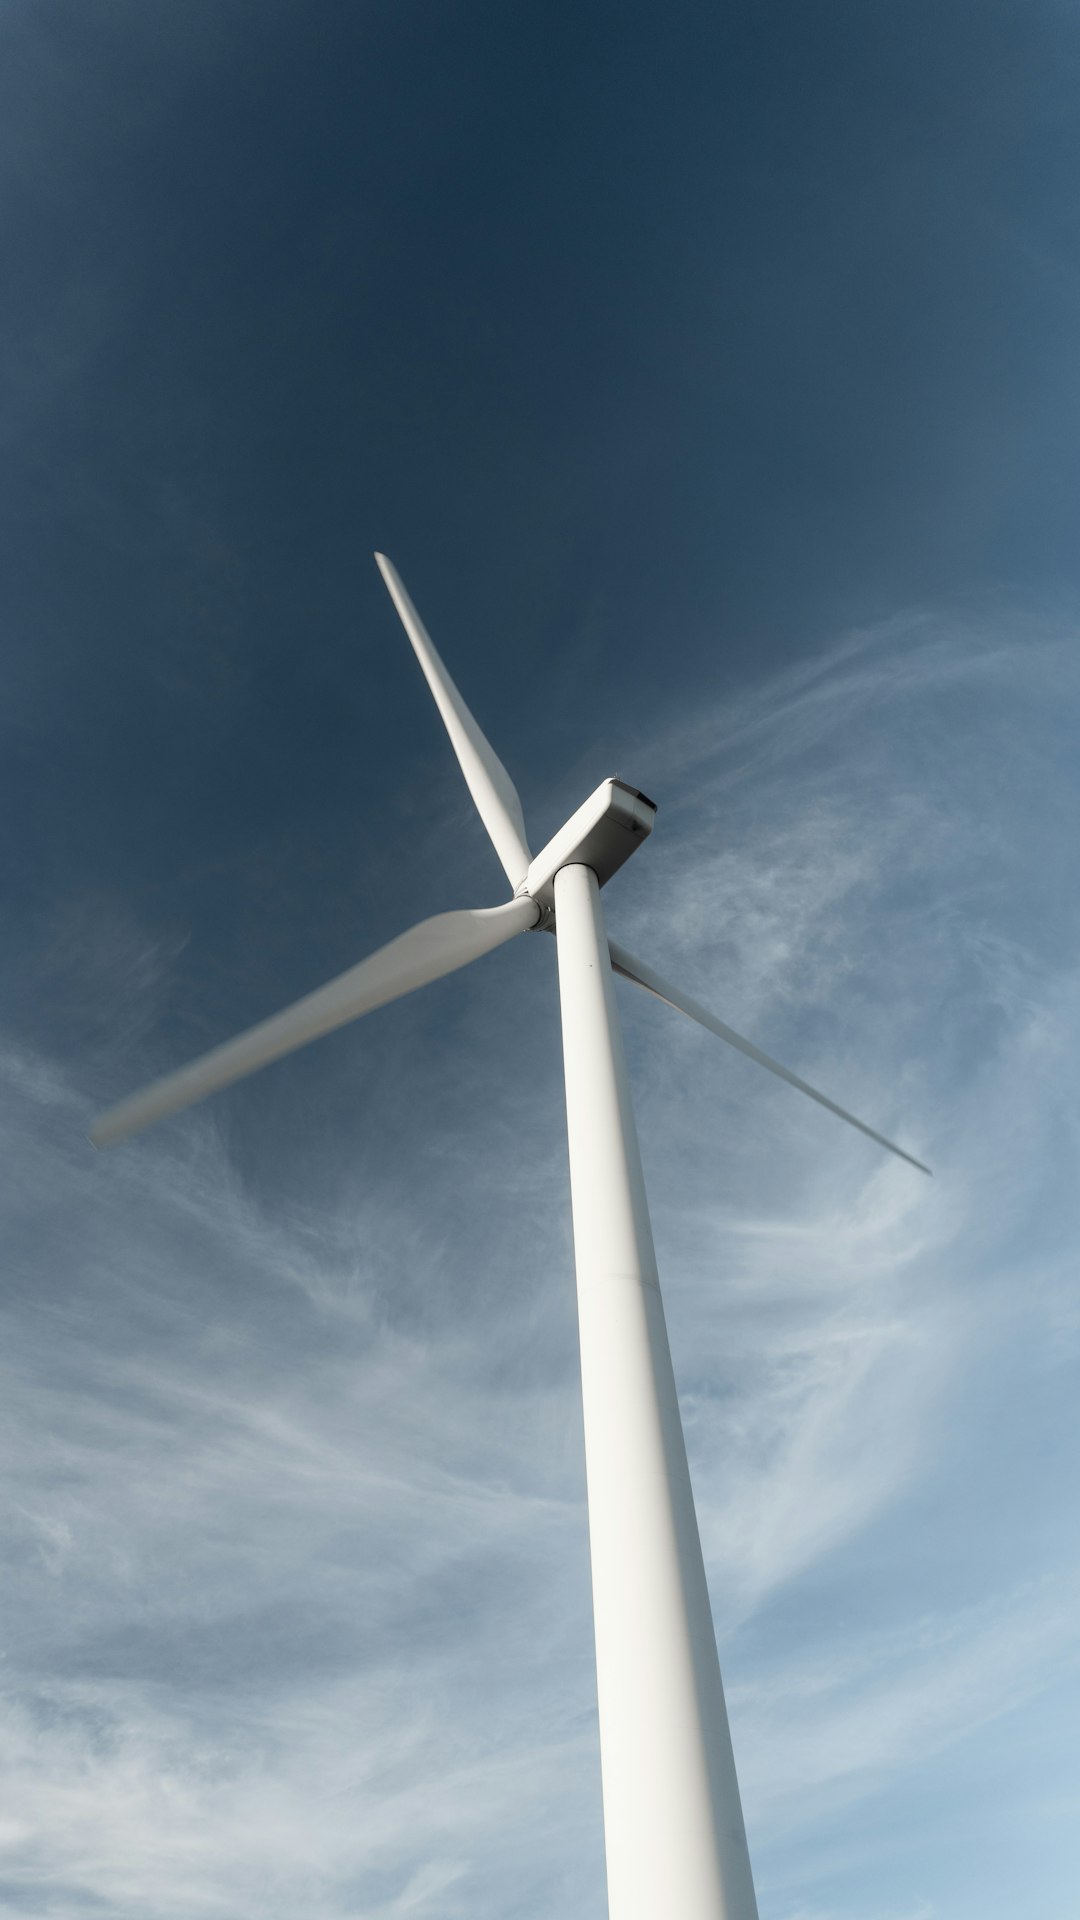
[493, 791]
[646, 977]
[423, 954]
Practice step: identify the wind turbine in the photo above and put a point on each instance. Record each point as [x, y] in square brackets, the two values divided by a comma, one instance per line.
[673, 1827]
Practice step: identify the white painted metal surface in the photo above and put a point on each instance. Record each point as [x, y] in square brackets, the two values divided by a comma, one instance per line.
[674, 1835]
[602, 834]
[672, 996]
[426, 952]
[494, 793]
[676, 1846]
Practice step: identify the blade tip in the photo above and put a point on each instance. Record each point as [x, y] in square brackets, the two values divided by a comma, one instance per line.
[919, 1165]
[110, 1127]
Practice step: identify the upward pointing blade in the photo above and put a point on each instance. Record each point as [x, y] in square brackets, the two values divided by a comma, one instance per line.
[423, 954]
[644, 976]
[491, 787]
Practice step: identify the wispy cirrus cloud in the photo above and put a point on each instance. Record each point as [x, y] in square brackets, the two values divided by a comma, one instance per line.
[295, 1541]
[835, 1730]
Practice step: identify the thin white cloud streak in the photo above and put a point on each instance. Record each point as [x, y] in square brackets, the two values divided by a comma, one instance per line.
[235, 1528]
[111, 1794]
[837, 1729]
[300, 1594]
[923, 1910]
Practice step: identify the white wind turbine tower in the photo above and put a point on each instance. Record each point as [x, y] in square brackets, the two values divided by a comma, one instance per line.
[673, 1827]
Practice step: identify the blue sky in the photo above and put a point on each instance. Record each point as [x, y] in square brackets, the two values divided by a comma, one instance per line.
[714, 386]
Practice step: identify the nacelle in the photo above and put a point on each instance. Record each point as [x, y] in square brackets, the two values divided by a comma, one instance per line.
[602, 834]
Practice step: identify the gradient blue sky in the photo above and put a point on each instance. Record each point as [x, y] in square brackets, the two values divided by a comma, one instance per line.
[712, 377]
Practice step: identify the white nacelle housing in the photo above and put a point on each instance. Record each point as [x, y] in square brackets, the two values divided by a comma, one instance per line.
[602, 834]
